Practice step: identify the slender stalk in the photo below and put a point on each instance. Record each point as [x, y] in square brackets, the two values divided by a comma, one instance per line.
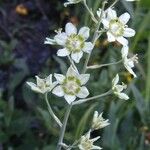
[113, 4]
[71, 61]
[96, 35]
[51, 112]
[103, 65]
[91, 98]
[90, 12]
[63, 128]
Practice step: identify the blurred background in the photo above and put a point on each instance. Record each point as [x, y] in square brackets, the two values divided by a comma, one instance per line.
[24, 120]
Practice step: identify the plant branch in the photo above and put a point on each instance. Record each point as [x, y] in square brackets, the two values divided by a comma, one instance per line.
[96, 35]
[90, 12]
[91, 98]
[63, 128]
[51, 112]
[103, 65]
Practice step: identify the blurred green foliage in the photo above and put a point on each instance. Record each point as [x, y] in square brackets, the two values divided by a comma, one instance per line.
[29, 126]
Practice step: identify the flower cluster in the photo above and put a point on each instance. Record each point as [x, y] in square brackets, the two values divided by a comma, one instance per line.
[69, 86]
[73, 44]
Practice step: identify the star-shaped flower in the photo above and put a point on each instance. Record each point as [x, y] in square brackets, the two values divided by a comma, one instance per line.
[43, 85]
[128, 62]
[73, 43]
[87, 144]
[71, 85]
[117, 88]
[116, 27]
[98, 121]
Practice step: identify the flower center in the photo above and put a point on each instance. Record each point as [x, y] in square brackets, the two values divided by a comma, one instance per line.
[71, 85]
[87, 144]
[116, 27]
[75, 43]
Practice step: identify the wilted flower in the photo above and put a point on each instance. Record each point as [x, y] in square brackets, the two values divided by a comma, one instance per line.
[72, 42]
[71, 2]
[128, 62]
[116, 27]
[98, 121]
[43, 85]
[87, 144]
[117, 89]
[71, 85]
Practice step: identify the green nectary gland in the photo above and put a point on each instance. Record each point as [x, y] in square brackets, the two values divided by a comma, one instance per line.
[75, 43]
[116, 27]
[71, 85]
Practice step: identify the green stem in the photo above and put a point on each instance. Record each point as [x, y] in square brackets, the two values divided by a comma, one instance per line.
[90, 12]
[103, 65]
[71, 62]
[91, 98]
[63, 128]
[96, 35]
[51, 112]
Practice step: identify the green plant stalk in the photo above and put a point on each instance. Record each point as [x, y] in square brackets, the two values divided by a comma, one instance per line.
[51, 112]
[148, 74]
[91, 98]
[103, 65]
[90, 12]
[63, 128]
[96, 35]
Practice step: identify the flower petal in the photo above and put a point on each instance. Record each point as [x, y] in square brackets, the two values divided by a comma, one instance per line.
[84, 32]
[40, 82]
[130, 70]
[111, 38]
[111, 14]
[59, 77]
[83, 92]
[61, 38]
[124, 51]
[77, 56]
[70, 98]
[50, 41]
[84, 78]
[72, 71]
[58, 91]
[70, 29]
[115, 80]
[124, 18]
[88, 46]
[122, 40]
[123, 96]
[128, 32]
[105, 23]
[34, 87]
[63, 52]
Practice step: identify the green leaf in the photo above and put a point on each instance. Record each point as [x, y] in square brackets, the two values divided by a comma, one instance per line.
[83, 121]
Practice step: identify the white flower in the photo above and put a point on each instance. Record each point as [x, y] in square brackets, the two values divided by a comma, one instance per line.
[73, 44]
[87, 144]
[128, 62]
[116, 27]
[43, 85]
[117, 88]
[98, 121]
[71, 2]
[71, 85]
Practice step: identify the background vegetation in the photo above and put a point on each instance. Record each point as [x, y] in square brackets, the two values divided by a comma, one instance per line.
[24, 121]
